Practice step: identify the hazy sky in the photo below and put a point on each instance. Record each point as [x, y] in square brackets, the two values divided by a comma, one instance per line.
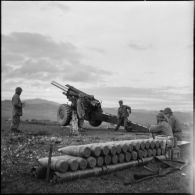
[141, 52]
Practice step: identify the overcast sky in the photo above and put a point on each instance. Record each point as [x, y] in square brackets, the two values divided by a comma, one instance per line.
[141, 52]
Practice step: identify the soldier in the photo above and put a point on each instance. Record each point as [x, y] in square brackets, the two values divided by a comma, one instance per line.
[162, 127]
[123, 113]
[16, 110]
[174, 123]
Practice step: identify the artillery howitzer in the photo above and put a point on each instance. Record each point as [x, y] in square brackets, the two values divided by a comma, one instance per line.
[93, 111]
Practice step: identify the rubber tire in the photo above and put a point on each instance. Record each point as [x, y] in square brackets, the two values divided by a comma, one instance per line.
[95, 123]
[64, 114]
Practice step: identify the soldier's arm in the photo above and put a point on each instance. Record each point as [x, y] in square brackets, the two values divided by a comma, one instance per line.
[128, 108]
[155, 129]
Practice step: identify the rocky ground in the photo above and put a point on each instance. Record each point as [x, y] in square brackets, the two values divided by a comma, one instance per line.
[19, 153]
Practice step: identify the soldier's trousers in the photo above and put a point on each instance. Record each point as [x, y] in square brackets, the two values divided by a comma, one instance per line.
[122, 121]
[15, 122]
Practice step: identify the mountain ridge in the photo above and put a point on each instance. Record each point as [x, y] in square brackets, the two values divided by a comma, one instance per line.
[41, 109]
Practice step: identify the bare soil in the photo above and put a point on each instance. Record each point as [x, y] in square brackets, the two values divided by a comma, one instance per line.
[19, 153]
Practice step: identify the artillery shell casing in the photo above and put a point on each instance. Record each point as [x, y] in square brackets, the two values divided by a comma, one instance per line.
[127, 156]
[152, 144]
[147, 145]
[134, 155]
[114, 159]
[130, 148]
[121, 158]
[140, 154]
[149, 153]
[154, 152]
[157, 144]
[142, 145]
[159, 151]
[107, 160]
[145, 153]
[99, 161]
[91, 162]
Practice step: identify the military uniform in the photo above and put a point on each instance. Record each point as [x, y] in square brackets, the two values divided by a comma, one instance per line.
[162, 128]
[176, 128]
[123, 116]
[16, 111]
[174, 123]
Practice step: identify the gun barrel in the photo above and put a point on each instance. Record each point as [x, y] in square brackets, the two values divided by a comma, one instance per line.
[64, 88]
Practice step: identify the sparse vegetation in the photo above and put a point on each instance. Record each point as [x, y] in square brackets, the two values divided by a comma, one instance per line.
[19, 153]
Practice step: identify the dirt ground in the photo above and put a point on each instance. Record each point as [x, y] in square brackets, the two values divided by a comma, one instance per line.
[19, 153]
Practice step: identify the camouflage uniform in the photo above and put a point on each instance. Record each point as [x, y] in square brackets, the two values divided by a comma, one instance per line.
[174, 123]
[123, 115]
[162, 127]
[16, 110]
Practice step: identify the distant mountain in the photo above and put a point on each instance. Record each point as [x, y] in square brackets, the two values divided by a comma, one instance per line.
[41, 109]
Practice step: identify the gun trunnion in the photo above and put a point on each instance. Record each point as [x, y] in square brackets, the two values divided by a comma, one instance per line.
[93, 110]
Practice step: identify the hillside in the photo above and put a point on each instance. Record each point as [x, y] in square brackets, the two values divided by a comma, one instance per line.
[41, 109]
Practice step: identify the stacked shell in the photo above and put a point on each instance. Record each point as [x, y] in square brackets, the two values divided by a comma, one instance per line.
[89, 156]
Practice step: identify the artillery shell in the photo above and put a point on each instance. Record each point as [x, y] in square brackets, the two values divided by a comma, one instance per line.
[95, 150]
[107, 159]
[118, 149]
[105, 150]
[136, 146]
[147, 145]
[115, 159]
[140, 154]
[100, 161]
[152, 144]
[145, 153]
[91, 162]
[121, 158]
[157, 144]
[127, 156]
[158, 151]
[154, 152]
[142, 145]
[149, 152]
[134, 155]
[124, 148]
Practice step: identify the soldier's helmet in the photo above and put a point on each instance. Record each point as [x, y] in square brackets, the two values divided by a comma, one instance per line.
[18, 89]
[120, 101]
[168, 111]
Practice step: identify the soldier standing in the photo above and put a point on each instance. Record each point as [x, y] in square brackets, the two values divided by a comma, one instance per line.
[16, 110]
[162, 127]
[123, 113]
[174, 123]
